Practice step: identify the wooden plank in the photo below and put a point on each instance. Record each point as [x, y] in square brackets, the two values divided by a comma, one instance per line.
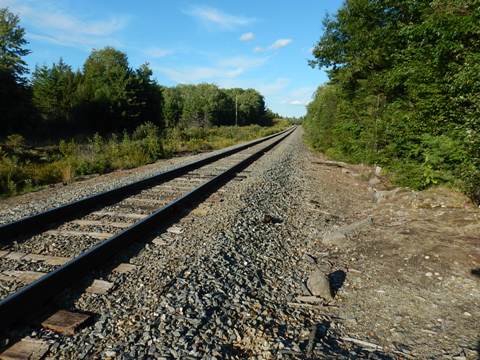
[14, 255]
[25, 277]
[123, 215]
[96, 235]
[99, 287]
[120, 225]
[6, 278]
[56, 260]
[26, 349]
[65, 322]
[47, 259]
[124, 268]
[146, 201]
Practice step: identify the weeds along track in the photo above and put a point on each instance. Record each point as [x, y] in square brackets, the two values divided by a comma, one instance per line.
[42, 255]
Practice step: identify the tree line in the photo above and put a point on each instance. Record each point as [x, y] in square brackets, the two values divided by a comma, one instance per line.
[403, 90]
[107, 95]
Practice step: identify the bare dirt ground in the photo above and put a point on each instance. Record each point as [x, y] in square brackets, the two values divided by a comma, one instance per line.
[411, 259]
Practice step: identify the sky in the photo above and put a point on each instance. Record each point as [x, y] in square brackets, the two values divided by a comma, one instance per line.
[260, 44]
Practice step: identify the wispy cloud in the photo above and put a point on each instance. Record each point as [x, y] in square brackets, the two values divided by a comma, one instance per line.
[53, 24]
[212, 16]
[194, 74]
[273, 88]
[277, 44]
[244, 62]
[280, 43]
[156, 52]
[221, 70]
[249, 36]
[300, 96]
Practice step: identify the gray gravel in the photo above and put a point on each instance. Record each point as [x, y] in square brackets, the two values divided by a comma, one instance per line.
[226, 287]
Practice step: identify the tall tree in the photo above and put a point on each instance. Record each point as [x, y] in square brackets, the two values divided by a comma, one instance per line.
[107, 99]
[172, 106]
[14, 102]
[53, 91]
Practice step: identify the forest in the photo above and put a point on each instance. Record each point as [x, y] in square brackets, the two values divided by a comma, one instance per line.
[107, 95]
[403, 90]
[107, 115]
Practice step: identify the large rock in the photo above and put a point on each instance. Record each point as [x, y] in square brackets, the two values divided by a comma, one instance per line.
[319, 285]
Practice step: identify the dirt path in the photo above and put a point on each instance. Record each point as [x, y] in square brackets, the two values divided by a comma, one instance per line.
[411, 259]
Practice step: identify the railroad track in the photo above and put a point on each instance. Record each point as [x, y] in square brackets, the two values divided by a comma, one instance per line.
[86, 235]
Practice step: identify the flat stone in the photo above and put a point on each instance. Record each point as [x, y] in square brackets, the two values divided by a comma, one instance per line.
[3, 253]
[319, 285]
[65, 322]
[175, 230]
[99, 287]
[200, 211]
[26, 349]
[160, 241]
[124, 268]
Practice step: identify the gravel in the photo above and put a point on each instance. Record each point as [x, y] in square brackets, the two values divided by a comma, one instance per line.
[232, 279]
[226, 286]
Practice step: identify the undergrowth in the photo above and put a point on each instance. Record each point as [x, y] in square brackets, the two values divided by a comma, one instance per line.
[24, 168]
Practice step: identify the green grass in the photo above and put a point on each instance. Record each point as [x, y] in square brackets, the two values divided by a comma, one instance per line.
[24, 169]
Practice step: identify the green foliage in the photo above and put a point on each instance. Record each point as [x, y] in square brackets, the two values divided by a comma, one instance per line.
[18, 173]
[14, 94]
[12, 40]
[53, 93]
[403, 92]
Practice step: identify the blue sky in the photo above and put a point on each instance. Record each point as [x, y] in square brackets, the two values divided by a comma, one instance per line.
[258, 44]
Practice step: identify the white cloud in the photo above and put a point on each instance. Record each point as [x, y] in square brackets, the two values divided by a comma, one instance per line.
[52, 24]
[280, 43]
[212, 16]
[274, 87]
[277, 44]
[296, 102]
[300, 96]
[156, 52]
[244, 62]
[249, 36]
[221, 70]
[194, 74]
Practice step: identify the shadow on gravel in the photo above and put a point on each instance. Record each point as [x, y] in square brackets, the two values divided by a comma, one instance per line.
[324, 343]
[475, 272]
[337, 278]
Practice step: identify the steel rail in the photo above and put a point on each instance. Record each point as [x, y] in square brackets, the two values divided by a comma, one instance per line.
[37, 223]
[26, 302]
